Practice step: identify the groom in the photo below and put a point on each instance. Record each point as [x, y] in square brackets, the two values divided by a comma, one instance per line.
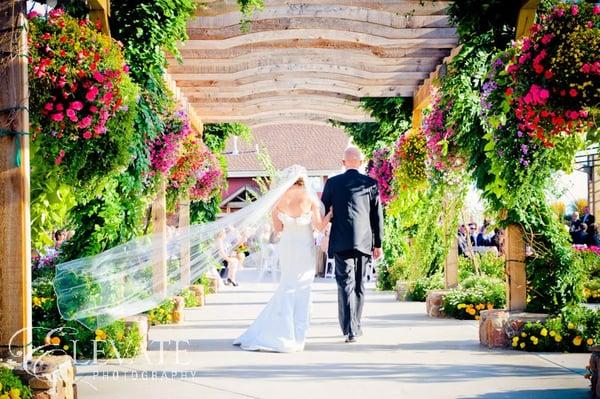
[356, 233]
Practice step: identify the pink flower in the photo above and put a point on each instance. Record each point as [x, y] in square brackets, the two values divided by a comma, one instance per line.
[33, 14]
[57, 117]
[48, 106]
[589, 24]
[547, 38]
[71, 114]
[574, 9]
[85, 122]
[559, 12]
[92, 93]
[87, 135]
[544, 94]
[77, 105]
[585, 68]
[125, 68]
[98, 76]
[59, 107]
[93, 109]
[55, 13]
[596, 9]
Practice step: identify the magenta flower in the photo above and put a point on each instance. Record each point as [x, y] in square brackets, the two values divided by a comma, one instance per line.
[57, 117]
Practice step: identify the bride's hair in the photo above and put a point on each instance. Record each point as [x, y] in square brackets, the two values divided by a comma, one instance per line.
[299, 182]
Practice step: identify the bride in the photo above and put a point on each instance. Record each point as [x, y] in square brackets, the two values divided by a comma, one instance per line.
[282, 324]
[132, 278]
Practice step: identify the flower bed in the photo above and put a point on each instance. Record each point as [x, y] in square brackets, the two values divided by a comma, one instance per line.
[381, 169]
[82, 98]
[575, 331]
[11, 386]
[475, 294]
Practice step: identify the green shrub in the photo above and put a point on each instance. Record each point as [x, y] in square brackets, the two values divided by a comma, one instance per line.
[121, 340]
[575, 330]
[591, 290]
[162, 314]
[477, 293]
[11, 386]
[190, 299]
[417, 291]
[489, 264]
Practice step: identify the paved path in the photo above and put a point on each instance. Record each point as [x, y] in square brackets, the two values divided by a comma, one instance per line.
[403, 354]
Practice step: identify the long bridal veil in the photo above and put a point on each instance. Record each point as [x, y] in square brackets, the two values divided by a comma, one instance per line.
[131, 278]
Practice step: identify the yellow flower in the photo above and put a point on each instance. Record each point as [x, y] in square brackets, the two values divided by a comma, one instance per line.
[577, 340]
[55, 341]
[570, 326]
[15, 393]
[471, 311]
[37, 302]
[515, 344]
[461, 306]
[515, 339]
[522, 346]
[0, 387]
[66, 347]
[523, 334]
[100, 335]
[490, 306]
[552, 333]
[477, 317]
[544, 332]
[590, 341]
[558, 338]
[119, 336]
[4, 396]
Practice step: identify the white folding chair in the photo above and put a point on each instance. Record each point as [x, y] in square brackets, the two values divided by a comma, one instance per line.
[330, 268]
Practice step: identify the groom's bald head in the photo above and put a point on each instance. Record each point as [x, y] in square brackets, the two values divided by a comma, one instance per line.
[352, 158]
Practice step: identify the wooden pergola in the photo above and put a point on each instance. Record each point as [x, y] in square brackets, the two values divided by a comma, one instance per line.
[308, 62]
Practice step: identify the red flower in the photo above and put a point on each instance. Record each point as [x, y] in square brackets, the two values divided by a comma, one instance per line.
[57, 117]
[77, 105]
[509, 91]
[48, 106]
[98, 76]
[573, 93]
[92, 93]
[548, 74]
[87, 135]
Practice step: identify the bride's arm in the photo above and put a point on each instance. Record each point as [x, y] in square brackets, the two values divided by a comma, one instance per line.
[277, 223]
[319, 222]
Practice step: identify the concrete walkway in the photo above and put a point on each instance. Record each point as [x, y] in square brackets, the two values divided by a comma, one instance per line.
[403, 354]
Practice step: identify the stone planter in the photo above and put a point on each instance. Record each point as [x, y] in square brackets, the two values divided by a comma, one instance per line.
[52, 377]
[402, 290]
[435, 300]
[497, 326]
[214, 285]
[177, 315]
[198, 291]
[143, 326]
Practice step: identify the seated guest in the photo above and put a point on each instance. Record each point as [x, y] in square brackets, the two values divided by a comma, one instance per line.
[593, 237]
[580, 236]
[575, 222]
[498, 240]
[587, 217]
[462, 240]
[483, 239]
[473, 233]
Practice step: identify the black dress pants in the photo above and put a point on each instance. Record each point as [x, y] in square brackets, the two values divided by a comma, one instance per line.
[350, 267]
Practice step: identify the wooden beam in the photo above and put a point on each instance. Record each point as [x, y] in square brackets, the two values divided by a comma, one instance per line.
[287, 37]
[516, 290]
[193, 117]
[526, 17]
[159, 230]
[401, 7]
[15, 236]
[451, 265]
[190, 71]
[100, 11]
[184, 226]
[422, 96]
[345, 13]
[271, 28]
[283, 116]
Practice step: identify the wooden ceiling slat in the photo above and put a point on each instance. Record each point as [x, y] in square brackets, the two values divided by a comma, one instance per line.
[313, 24]
[287, 37]
[295, 69]
[349, 13]
[402, 7]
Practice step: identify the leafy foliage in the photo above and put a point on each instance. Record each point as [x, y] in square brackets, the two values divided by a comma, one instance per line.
[475, 294]
[11, 385]
[393, 115]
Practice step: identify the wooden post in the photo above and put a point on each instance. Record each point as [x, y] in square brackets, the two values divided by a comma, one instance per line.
[159, 225]
[184, 226]
[451, 265]
[15, 237]
[100, 11]
[526, 17]
[516, 295]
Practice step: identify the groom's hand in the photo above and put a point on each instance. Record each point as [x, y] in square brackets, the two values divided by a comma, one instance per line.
[377, 253]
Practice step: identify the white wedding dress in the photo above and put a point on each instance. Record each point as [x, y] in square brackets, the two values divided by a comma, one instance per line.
[283, 323]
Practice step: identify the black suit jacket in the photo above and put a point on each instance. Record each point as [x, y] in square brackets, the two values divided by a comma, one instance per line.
[357, 222]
